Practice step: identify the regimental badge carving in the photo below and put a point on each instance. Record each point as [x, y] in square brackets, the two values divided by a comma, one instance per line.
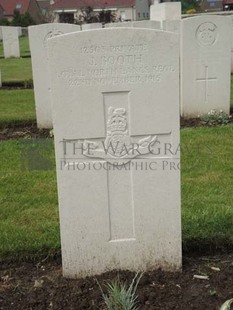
[118, 147]
[51, 34]
[207, 34]
[117, 132]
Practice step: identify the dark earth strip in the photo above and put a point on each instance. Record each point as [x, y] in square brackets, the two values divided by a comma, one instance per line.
[30, 130]
[41, 286]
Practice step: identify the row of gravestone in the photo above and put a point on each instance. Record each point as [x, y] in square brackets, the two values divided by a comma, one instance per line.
[10, 37]
[113, 98]
[115, 101]
[205, 61]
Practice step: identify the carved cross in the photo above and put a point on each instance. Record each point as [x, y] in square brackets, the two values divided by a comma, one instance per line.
[119, 151]
[206, 79]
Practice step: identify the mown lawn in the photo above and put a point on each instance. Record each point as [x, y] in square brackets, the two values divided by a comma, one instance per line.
[17, 105]
[28, 199]
[23, 44]
[207, 183]
[14, 70]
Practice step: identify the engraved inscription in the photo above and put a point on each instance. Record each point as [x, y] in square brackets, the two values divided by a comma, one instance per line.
[115, 65]
[207, 34]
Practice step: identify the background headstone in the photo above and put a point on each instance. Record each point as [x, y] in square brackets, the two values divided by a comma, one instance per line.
[231, 18]
[10, 42]
[171, 25]
[165, 11]
[119, 25]
[19, 31]
[91, 26]
[150, 24]
[205, 65]
[38, 36]
[118, 209]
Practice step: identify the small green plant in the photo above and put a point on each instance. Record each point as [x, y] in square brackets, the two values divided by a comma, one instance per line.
[121, 297]
[212, 293]
[215, 117]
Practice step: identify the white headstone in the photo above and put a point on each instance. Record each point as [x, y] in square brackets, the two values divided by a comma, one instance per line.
[116, 107]
[0, 32]
[118, 25]
[19, 31]
[165, 11]
[171, 25]
[205, 65]
[231, 18]
[38, 36]
[150, 24]
[91, 26]
[10, 42]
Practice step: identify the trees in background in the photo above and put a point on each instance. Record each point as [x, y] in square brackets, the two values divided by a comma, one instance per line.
[190, 5]
[87, 15]
[23, 20]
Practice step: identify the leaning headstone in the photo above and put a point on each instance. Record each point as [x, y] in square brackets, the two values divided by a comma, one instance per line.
[205, 65]
[10, 42]
[38, 36]
[115, 96]
[91, 26]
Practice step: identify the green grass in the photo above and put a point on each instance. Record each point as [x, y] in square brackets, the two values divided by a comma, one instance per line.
[16, 69]
[16, 105]
[207, 195]
[13, 69]
[28, 199]
[23, 44]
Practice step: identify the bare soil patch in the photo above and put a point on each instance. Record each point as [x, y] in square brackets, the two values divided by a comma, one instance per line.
[22, 130]
[29, 129]
[40, 286]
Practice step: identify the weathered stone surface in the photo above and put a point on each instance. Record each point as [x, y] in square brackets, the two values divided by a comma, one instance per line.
[10, 42]
[205, 65]
[116, 130]
[38, 36]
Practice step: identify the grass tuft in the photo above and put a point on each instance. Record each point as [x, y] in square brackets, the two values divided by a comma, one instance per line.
[120, 296]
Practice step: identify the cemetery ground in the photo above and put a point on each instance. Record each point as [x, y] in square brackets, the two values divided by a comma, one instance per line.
[30, 272]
